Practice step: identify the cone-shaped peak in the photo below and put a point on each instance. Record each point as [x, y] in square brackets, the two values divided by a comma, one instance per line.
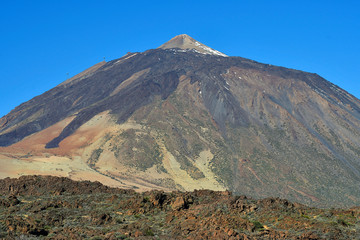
[184, 41]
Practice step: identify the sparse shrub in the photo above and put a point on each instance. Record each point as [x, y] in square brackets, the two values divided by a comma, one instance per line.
[161, 168]
[119, 220]
[342, 222]
[149, 232]
[119, 236]
[258, 225]
[96, 238]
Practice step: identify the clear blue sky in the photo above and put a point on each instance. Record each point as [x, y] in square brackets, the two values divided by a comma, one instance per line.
[42, 41]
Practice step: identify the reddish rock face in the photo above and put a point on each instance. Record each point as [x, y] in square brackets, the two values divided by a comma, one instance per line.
[179, 204]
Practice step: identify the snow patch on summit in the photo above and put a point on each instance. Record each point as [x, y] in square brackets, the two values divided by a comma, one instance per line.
[187, 43]
[210, 50]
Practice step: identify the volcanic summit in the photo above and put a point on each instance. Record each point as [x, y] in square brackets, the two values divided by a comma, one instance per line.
[185, 116]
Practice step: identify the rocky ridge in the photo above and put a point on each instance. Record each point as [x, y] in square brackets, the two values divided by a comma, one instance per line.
[58, 208]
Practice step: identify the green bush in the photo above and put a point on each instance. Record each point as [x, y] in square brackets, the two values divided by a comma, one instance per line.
[149, 232]
[258, 225]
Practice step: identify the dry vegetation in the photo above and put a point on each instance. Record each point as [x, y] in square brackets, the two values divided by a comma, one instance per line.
[59, 208]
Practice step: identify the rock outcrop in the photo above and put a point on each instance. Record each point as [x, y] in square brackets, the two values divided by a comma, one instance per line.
[94, 211]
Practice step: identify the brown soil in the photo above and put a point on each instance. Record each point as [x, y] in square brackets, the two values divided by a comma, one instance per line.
[59, 208]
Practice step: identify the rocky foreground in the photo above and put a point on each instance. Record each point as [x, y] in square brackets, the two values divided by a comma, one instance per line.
[59, 208]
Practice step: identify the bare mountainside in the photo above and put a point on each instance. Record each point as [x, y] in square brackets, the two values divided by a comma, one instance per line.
[185, 116]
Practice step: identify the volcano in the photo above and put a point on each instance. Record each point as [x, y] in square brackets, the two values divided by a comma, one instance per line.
[185, 116]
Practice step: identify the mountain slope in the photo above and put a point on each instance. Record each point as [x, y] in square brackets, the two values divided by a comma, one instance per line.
[184, 117]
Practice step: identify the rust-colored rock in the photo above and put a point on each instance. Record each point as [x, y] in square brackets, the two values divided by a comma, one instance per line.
[117, 214]
[178, 204]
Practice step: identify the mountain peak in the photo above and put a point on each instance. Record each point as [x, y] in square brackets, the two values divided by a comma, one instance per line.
[184, 41]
